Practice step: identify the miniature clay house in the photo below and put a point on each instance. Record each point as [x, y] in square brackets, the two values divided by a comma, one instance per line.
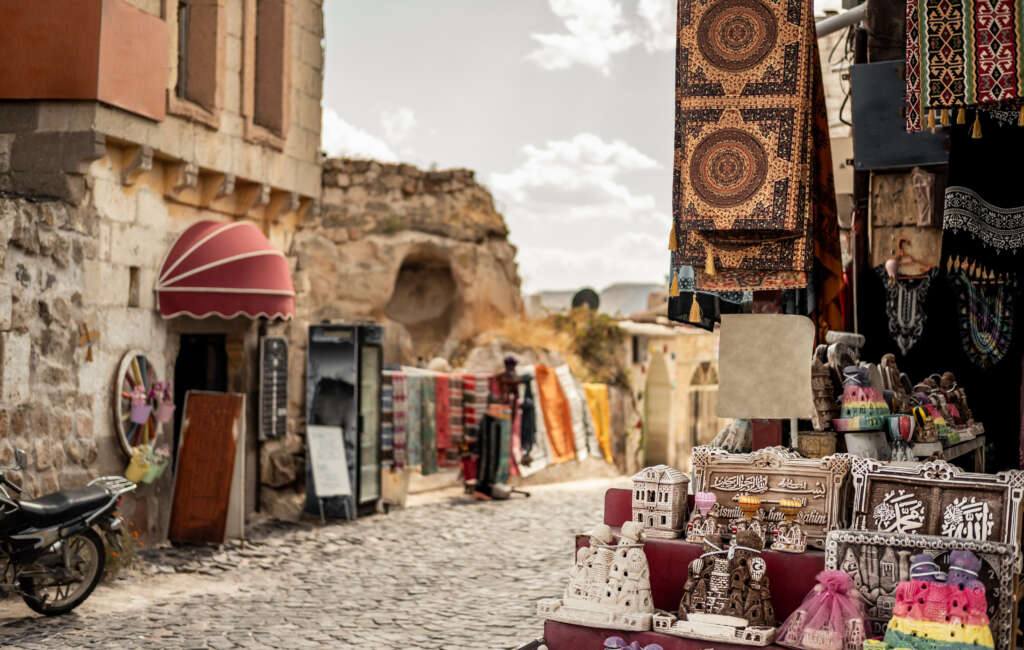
[659, 500]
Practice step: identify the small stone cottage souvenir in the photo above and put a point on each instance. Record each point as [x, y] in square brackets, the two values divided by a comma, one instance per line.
[892, 380]
[609, 587]
[702, 525]
[789, 536]
[936, 611]
[659, 501]
[726, 596]
[830, 618]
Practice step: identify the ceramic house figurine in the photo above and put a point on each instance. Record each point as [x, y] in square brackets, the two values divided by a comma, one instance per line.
[726, 597]
[823, 391]
[659, 501]
[610, 585]
[789, 536]
[936, 611]
[702, 525]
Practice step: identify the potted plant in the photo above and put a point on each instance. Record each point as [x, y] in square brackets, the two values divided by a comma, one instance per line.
[141, 408]
[162, 391]
[158, 458]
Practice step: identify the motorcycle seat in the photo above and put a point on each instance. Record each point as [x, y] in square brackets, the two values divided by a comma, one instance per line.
[63, 506]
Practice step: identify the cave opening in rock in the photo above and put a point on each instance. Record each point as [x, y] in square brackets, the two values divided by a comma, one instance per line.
[424, 302]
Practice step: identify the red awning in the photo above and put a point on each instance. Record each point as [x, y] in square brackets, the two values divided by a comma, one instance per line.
[226, 270]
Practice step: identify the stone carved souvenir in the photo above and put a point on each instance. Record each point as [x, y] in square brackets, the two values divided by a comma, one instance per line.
[726, 596]
[879, 562]
[816, 444]
[789, 536]
[864, 408]
[936, 612]
[822, 391]
[609, 586]
[702, 525]
[892, 381]
[659, 501]
[752, 519]
[771, 475]
[936, 498]
[831, 617]
[957, 396]
[925, 429]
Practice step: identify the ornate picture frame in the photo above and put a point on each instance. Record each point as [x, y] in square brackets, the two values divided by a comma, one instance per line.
[878, 562]
[773, 474]
[936, 498]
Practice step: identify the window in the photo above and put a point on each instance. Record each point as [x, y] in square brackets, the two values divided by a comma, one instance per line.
[133, 286]
[269, 68]
[197, 52]
[640, 349]
[640, 518]
[663, 520]
[199, 31]
[650, 495]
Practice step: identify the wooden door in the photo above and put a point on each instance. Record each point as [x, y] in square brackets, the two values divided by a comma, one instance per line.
[211, 430]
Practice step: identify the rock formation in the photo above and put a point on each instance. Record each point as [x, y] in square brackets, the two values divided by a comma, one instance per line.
[424, 252]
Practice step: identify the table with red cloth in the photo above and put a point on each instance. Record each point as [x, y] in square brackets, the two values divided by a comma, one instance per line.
[791, 576]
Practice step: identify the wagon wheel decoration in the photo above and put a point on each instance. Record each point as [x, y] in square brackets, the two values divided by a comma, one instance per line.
[135, 370]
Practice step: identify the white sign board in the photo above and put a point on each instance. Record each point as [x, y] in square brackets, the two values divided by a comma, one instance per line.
[764, 366]
[327, 455]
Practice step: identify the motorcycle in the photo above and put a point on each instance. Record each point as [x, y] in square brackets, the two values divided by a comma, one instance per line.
[50, 551]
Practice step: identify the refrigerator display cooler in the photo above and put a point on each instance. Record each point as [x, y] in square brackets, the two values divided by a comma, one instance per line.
[343, 389]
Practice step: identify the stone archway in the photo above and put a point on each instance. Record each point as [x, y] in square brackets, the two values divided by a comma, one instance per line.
[424, 301]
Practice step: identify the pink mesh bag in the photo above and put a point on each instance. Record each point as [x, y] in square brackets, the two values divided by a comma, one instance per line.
[830, 618]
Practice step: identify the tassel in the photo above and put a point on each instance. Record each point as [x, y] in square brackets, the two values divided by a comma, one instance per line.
[673, 290]
[931, 119]
[695, 315]
[976, 131]
[709, 263]
[88, 354]
[961, 116]
[945, 117]
[1020, 118]
[949, 264]
[672, 245]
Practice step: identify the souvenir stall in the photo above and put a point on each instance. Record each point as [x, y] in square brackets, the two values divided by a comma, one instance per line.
[867, 530]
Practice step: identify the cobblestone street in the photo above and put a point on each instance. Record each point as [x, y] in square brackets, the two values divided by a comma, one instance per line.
[455, 574]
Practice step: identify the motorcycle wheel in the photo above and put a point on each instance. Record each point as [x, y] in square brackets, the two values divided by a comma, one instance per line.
[88, 557]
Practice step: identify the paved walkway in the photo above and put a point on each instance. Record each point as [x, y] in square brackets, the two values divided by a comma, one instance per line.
[453, 575]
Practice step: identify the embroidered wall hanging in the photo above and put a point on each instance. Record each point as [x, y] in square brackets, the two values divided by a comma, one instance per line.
[904, 305]
[961, 54]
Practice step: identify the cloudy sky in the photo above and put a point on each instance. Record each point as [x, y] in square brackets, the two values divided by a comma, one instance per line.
[562, 107]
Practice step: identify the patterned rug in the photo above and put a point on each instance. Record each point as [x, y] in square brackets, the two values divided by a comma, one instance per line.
[746, 76]
[962, 54]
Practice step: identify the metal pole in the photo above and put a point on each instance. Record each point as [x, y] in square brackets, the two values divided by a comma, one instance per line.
[840, 21]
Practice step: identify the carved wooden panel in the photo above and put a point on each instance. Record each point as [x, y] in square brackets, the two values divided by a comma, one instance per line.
[936, 498]
[773, 474]
[878, 562]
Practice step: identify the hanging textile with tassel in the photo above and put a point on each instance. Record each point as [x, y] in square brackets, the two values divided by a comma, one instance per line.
[977, 66]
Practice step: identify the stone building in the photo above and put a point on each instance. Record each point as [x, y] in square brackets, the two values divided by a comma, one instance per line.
[122, 123]
[674, 372]
[659, 500]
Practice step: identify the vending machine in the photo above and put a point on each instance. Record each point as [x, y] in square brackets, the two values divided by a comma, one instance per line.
[343, 399]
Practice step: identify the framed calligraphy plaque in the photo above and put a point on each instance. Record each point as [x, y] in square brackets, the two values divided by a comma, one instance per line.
[773, 474]
[936, 498]
[878, 562]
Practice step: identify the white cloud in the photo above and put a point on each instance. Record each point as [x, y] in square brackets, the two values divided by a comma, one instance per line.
[596, 30]
[575, 218]
[586, 162]
[399, 124]
[341, 139]
[658, 24]
[628, 256]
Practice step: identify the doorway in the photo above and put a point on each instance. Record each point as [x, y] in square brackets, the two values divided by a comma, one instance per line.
[202, 364]
[658, 412]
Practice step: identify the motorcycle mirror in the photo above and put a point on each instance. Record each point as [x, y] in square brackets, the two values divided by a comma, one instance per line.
[20, 459]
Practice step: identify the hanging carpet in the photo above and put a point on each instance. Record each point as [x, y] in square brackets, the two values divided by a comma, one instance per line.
[753, 194]
[962, 54]
[904, 306]
[557, 417]
[428, 424]
[597, 402]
